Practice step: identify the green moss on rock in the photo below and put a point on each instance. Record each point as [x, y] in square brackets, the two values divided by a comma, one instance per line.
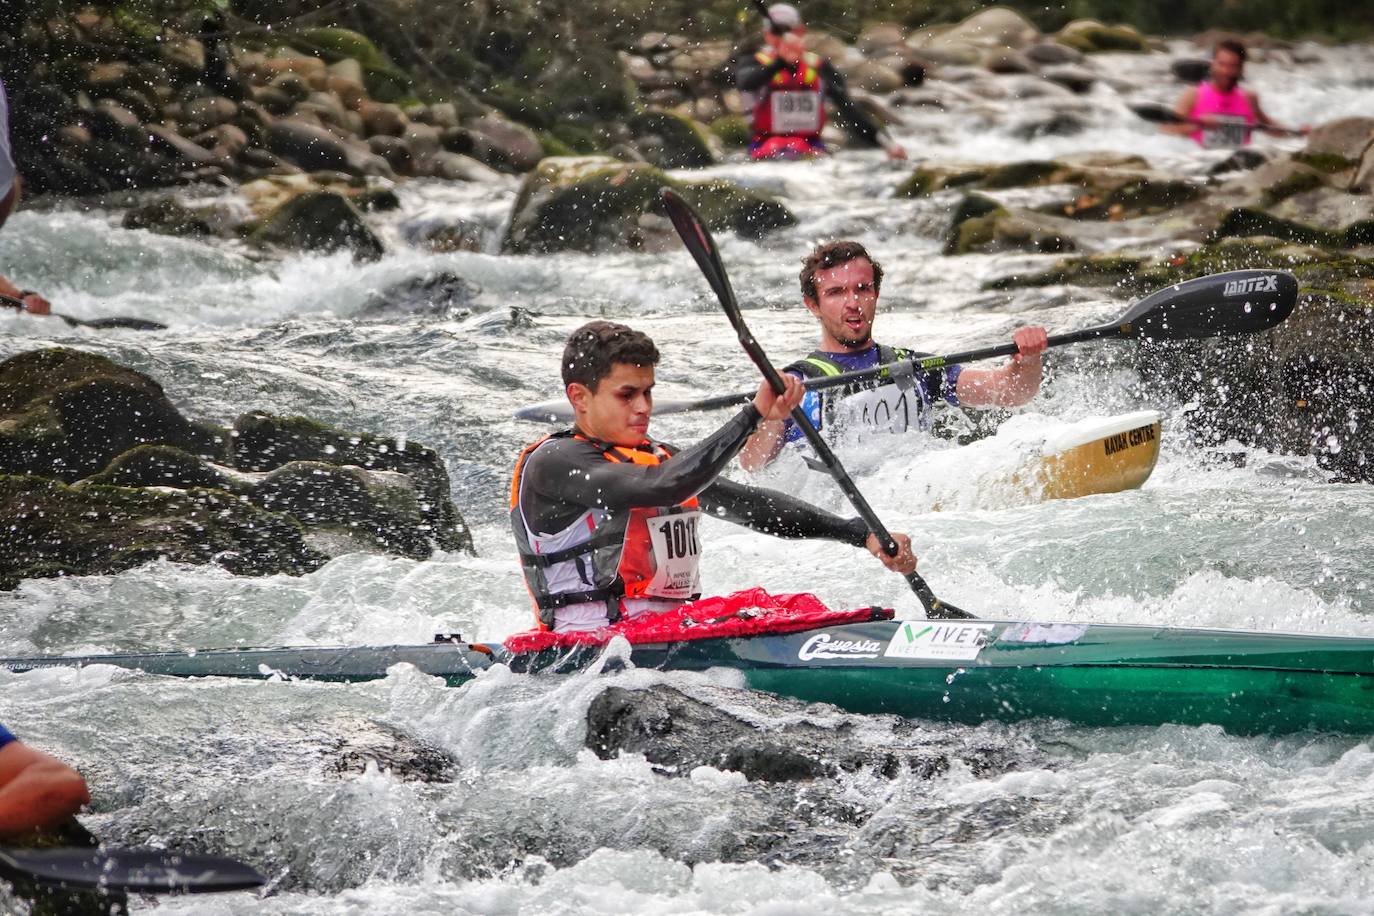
[671, 141]
[594, 204]
[54, 530]
[732, 130]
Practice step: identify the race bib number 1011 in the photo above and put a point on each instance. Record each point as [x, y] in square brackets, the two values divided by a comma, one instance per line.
[676, 555]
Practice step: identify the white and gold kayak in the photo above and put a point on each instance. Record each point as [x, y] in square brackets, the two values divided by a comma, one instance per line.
[1032, 460]
[1100, 455]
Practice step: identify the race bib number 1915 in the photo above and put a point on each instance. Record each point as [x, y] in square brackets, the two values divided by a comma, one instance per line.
[796, 112]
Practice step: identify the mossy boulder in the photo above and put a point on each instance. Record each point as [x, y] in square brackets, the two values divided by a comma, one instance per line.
[671, 141]
[1010, 229]
[319, 221]
[1305, 387]
[595, 204]
[57, 530]
[1088, 36]
[66, 414]
[262, 442]
[732, 130]
[1320, 216]
[101, 472]
[385, 81]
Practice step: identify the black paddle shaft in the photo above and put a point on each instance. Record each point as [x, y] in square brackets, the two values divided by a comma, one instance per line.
[703, 249]
[1235, 302]
[117, 321]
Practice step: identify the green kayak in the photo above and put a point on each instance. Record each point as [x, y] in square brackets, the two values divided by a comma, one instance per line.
[959, 671]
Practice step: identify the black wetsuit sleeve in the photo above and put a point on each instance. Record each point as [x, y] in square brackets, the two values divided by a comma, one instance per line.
[853, 118]
[778, 514]
[751, 76]
[566, 477]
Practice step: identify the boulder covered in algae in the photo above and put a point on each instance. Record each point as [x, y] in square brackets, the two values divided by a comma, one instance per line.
[596, 204]
[99, 473]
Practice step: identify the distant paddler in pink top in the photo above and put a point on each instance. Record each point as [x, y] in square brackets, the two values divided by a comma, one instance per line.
[1218, 113]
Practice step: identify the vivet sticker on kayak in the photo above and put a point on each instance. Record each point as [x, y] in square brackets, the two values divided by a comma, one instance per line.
[927, 639]
[823, 645]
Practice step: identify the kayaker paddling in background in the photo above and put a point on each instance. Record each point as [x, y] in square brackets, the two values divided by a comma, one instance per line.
[840, 284]
[37, 792]
[9, 199]
[1218, 112]
[789, 87]
[605, 517]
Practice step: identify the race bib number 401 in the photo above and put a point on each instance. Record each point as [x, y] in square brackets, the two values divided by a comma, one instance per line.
[676, 555]
[796, 112]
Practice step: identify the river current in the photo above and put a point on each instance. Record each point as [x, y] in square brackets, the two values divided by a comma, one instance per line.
[1140, 820]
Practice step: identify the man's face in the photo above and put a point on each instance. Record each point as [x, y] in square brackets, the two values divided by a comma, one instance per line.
[1227, 68]
[775, 38]
[618, 410]
[845, 304]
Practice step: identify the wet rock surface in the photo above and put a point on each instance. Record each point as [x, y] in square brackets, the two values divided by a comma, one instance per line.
[600, 204]
[779, 741]
[100, 473]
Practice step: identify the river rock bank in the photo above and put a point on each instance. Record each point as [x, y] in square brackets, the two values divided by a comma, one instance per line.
[99, 473]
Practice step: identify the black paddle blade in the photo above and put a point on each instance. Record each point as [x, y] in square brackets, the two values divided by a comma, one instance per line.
[1156, 113]
[140, 871]
[132, 324]
[1236, 302]
[697, 238]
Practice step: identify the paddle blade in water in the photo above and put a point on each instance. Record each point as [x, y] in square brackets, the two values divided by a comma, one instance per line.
[132, 324]
[1237, 302]
[142, 871]
[1156, 113]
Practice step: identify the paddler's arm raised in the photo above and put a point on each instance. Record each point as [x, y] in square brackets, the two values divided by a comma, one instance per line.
[784, 516]
[571, 472]
[751, 76]
[1012, 385]
[856, 121]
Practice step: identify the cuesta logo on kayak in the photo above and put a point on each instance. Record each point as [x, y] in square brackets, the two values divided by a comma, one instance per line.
[915, 639]
[823, 645]
[1267, 284]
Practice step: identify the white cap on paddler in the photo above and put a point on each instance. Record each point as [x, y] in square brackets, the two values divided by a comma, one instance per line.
[784, 15]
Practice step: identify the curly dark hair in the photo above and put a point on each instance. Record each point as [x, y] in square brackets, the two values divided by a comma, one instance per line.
[833, 254]
[593, 349]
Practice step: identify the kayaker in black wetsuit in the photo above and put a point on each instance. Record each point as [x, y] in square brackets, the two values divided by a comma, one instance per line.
[605, 518]
[37, 792]
[840, 283]
[789, 86]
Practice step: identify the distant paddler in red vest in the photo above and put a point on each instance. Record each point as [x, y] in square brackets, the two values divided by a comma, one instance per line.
[606, 519]
[789, 87]
[1218, 113]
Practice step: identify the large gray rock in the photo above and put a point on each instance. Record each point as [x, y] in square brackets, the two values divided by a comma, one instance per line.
[595, 203]
[996, 27]
[777, 743]
[671, 141]
[513, 144]
[319, 221]
[311, 147]
[1346, 138]
[1051, 53]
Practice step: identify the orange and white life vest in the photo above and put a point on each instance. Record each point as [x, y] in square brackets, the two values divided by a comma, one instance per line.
[792, 103]
[605, 557]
